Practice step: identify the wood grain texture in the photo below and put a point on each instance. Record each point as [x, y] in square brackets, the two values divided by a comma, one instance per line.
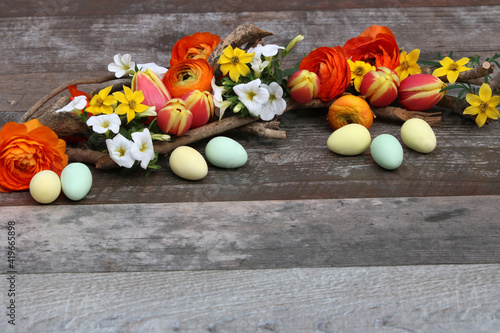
[128, 7]
[40, 53]
[258, 234]
[419, 299]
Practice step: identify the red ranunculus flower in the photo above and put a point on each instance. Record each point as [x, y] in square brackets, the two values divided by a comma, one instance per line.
[376, 46]
[196, 46]
[26, 149]
[330, 65]
[188, 75]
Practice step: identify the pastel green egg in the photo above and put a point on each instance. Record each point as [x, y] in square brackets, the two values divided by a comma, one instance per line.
[45, 186]
[351, 139]
[418, 135]
[76, 181]
[387, 151]
[224, 152]
[188, 163]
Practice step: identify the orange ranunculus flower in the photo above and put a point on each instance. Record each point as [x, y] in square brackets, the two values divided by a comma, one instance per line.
[188, 75]
[26, 149]
[376, 46]
[330, 64]
[199, 45]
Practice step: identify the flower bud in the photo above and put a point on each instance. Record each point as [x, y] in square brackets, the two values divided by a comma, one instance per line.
[421, 92]
[304, 86]
[174, 118]
[154, 91]
[380, 87]
[201, 105]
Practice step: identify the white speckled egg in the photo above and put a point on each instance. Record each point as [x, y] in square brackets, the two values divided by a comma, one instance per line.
[387, 151]
[418, 135]
[351, 139]
[76, 181]
[224, 152]
[45, 186]
[188, 163]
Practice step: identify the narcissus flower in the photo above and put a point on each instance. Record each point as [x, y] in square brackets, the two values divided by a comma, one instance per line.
[196, 46]
[234, 62]
[119, 151]
[376, 45]
[130, 103]
[142, 149]
[102, 102]
[330, 64]
[252, 95]
[188, 75]
[104, 123]
[275, 105]
[484, 105]
[122, 65]
[358, 71]
[408, 64]
[451, 68]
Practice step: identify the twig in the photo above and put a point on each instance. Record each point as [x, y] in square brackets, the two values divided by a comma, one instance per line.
[495, 83]
[265, 129]
[61, 88]
[399, 114]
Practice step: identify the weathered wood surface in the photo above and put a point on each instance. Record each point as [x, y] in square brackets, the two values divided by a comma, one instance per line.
[256, 234]
[420, 299]
[87, 266]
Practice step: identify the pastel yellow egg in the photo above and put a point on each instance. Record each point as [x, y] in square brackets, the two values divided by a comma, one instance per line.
[351, 139]
[418, 135]
[45, 186]
[188, 163]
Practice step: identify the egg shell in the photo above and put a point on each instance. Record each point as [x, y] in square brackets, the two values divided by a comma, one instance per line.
[188, 163]
[418, 135]
[224, 152]
[76, 181]
[45, 186]
[351, 139]
[387, 151]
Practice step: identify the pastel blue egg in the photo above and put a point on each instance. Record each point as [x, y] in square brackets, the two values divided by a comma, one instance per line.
[387, 151]
[76, 181]
[224, 152]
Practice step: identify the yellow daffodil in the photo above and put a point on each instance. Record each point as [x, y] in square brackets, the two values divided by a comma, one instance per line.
[130, 103]
[483, 105]
[102, 102]
[234, 62]
[358, 71]
[408, 64]
[451, 68]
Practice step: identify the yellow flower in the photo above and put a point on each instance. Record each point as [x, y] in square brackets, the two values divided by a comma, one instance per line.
[130, 103]
[408, 64]
[234, 62]
[358, 71]
[451, 68]
[483, 105]
[102, 102]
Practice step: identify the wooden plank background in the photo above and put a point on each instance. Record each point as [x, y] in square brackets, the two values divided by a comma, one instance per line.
[297, 240]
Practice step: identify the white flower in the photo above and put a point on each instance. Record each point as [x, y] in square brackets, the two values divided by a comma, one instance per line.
[119, 149]
[104, 122]
[217, 92]
[122, 66]
[78, 103]
[150, 112]
[252, 96]
[160, 71]
[276, 105]
[142, 148]
[268, 50]
[258, 65]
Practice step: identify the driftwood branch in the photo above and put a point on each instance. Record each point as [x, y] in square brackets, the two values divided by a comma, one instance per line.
[485, 69]
[31, 113]
[401, 115]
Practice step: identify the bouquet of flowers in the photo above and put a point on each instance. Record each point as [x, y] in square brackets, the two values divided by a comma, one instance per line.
[214, 85]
